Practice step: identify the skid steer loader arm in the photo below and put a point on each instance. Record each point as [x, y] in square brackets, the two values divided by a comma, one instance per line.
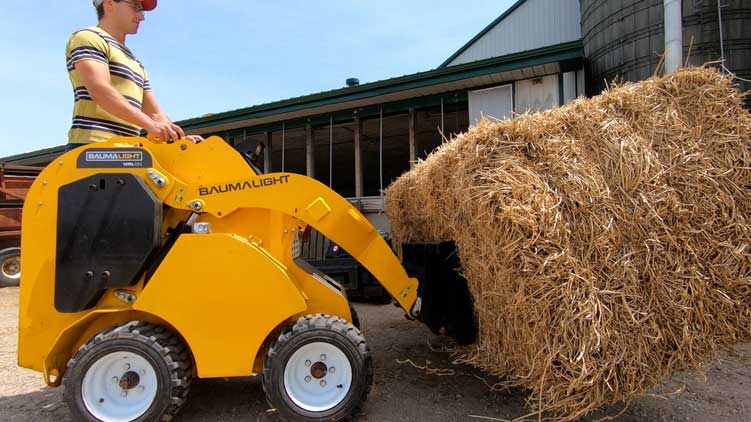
[301, 197]
[440, 298]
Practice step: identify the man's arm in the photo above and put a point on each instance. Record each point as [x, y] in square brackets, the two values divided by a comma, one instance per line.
[95, 76]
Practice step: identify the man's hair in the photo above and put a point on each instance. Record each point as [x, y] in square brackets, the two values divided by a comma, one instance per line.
[100, 10]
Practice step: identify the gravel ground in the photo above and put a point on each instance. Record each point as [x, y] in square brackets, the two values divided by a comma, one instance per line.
[402, 392]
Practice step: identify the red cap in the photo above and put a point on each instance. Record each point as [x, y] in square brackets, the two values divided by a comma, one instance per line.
[149, 5]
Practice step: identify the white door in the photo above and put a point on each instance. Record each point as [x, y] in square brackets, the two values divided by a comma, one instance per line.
[496, 102]
[537, 94]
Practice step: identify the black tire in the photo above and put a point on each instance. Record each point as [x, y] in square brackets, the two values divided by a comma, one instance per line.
[165, 352]
[318, 329]
[10, 267]
[355, 317]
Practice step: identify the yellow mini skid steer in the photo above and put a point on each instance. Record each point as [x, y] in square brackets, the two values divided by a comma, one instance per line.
[149, 264]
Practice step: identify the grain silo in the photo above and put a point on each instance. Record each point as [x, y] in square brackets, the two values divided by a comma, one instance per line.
[625, 38]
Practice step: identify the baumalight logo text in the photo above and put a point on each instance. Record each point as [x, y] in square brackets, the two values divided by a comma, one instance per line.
[243, 185]
[114, 156]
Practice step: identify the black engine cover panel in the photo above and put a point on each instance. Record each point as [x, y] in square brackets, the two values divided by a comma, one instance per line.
[107, 227]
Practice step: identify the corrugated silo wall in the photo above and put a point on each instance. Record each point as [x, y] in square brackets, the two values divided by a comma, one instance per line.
[624, 38]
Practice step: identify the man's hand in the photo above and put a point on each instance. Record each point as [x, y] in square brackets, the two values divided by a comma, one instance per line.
[163, 127]
[164, 130]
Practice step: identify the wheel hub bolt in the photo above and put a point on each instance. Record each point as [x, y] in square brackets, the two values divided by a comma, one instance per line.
[124, 393]
[323, 383]
[307, 379]
[307, 363]
[332, 369]
[126, 366]
[323, 357]
[115, 380]
[140, 388]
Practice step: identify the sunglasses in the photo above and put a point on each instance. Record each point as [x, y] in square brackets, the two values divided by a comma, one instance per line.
[137, 7]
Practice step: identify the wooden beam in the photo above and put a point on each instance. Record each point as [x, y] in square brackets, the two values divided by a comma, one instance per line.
[412, 143]
[358, 157]
[310, 163]
[267, 154]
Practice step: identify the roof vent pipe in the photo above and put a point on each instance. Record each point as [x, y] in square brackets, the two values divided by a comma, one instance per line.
[673, 35]
[353, 82]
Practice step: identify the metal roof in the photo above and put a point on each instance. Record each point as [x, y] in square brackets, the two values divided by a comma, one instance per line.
[483, 32]
[35, 158]
[464, 76]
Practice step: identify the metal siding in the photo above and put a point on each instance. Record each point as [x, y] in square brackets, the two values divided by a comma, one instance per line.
[624, 39]
[534, 24]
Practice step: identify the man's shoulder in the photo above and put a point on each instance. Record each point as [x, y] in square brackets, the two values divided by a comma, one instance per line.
[87, 37]
[84, 33]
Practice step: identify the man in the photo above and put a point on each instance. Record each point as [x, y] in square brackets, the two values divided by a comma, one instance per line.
[113, 96]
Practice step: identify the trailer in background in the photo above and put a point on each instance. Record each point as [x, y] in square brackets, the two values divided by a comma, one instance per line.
[15, 182]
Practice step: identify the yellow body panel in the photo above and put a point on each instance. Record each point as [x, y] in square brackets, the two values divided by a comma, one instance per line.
[40, 324]
[226, 293]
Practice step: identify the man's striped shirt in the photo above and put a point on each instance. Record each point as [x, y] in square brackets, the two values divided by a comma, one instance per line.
[91, 123]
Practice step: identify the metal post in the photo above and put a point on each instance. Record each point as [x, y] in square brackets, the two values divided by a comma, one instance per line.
[673, 35]
[380, 151]
[722, 44]
[412, 143]
[331, 151]
[267, 154]
[283, 130]
[358, 157]
[309, 152]
[442, 129]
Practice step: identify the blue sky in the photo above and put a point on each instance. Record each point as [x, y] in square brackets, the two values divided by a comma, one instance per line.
[214, 56]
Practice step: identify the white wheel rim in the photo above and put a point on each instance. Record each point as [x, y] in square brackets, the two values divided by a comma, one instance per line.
[110, 391]
[303, 381]
[12, 268]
